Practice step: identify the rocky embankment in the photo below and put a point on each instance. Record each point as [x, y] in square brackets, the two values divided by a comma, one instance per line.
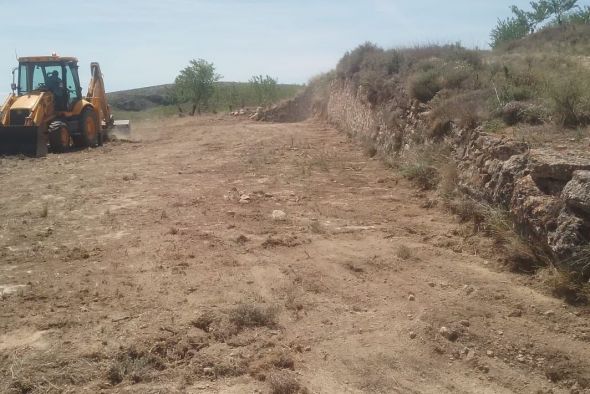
[546, 190]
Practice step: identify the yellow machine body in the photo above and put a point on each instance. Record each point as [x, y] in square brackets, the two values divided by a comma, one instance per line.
[47, 109]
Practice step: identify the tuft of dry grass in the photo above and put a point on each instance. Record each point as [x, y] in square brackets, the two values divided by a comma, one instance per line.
[282, 382]
[316, 227]
[204, 321]
[520, 254]
[375, 373]
[449, 179]
[44, 211]
[404, 252]
[253, 315]
[138, 366]
[565, 285]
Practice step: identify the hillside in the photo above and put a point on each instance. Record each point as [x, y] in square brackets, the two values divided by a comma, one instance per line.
[157, 101]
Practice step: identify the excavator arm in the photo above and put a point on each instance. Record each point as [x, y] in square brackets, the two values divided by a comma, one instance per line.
[97, 96]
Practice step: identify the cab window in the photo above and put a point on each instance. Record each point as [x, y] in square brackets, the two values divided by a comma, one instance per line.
[47, 77]
[72, 84]
[22, 79]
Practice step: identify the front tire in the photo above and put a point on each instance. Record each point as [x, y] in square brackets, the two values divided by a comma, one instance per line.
[59, 137]
[89, 129]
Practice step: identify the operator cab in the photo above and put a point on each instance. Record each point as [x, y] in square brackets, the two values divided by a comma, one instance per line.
[58, 75]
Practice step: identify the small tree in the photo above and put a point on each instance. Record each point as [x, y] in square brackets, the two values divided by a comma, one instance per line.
[581, 16]
[265, 89]
[524, 23]
[559, 8]
[196, 84]
[509, 29]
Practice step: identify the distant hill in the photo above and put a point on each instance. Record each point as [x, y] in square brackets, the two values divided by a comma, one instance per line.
[140, 99]
[234, 94]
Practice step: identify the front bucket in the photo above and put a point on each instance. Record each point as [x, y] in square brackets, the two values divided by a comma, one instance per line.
[24, 140]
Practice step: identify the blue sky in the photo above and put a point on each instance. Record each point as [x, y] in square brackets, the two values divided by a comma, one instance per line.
[142, 42]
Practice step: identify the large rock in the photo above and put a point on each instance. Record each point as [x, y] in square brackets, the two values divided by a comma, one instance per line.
[534, 210]
[551, 170]
[577, 192]
[569, 235]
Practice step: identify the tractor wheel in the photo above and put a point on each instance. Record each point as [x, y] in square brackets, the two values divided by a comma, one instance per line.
[59, 137]
[89, 129]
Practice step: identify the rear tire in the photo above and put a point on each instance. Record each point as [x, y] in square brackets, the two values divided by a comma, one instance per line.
[89, 129]
[59, 137]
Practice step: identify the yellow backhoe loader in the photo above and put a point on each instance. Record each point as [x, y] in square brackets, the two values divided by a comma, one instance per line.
[47, 110]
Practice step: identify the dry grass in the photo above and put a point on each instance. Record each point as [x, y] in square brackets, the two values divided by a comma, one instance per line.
[282, 382]
[47, 371]
[375, 373]
[204, 321]
[422, 173]
[316, 227]
[138, 366]
[404, 252]
[44, 211]
[293, 296]
[565, 285]
[248, 315]
[520, 254]
[449, 178]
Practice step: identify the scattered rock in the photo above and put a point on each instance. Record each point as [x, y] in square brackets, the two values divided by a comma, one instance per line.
[520, 358]
[279, 216]
[412, 335]
[242, 239]
[490, 353]
[450, 334]
[468, 289]
[208, 371]
[411, 297]
[431, 284]
[7, 290]
[515, 313]
[549, 313]
[484, 368]
[245, 199]
[465, 323]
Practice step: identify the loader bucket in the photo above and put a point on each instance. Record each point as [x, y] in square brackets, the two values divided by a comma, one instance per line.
[24, 140]
[121, 129]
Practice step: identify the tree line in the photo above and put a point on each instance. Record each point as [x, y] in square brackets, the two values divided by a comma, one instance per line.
[197, 85]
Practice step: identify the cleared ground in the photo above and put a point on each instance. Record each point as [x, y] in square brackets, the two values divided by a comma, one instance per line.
[156, 266]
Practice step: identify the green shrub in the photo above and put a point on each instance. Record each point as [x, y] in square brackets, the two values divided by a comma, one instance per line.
[570, 99]
[509, 29]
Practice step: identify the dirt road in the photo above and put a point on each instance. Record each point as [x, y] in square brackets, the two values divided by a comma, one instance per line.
[225, 256]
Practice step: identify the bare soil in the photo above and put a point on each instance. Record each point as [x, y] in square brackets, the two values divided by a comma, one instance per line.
[156, 266]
